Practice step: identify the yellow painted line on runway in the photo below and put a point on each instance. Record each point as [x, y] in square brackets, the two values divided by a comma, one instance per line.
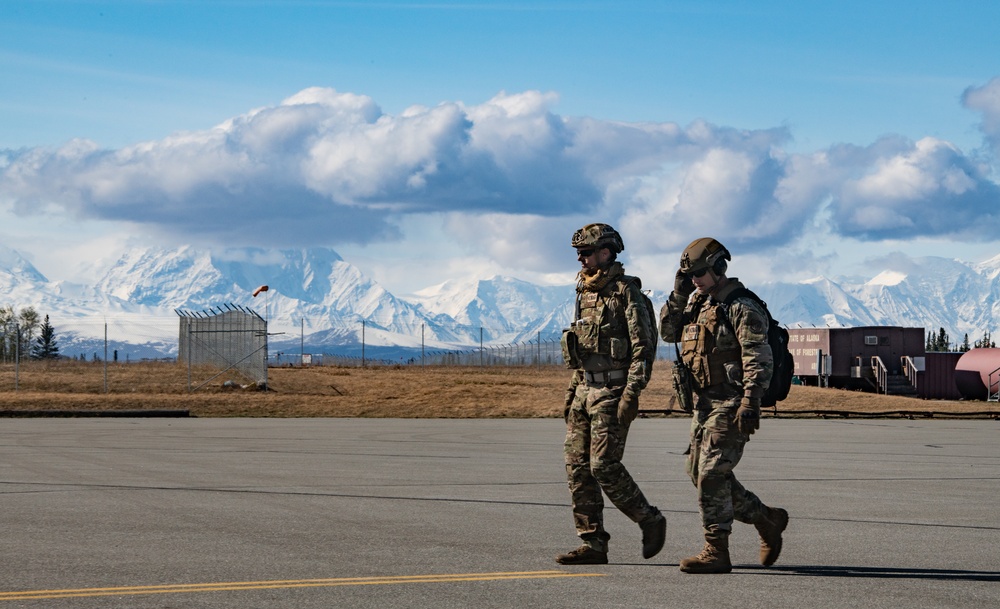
[287, 583]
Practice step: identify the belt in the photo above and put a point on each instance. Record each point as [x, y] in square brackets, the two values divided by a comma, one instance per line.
[604, 378]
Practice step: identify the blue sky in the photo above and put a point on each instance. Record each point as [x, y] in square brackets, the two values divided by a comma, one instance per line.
[427, 140]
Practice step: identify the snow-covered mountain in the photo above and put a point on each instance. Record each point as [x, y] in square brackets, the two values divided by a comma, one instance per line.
[317, 298]
[83, 314]
[311, 288]
[932, 293]
[510, 309]
[314, 298]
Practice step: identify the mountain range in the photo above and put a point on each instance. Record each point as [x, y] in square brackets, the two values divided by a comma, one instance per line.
[318, 300]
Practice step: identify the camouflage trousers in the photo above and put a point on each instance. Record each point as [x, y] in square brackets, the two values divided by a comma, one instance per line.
[595, 444]
[716, 448]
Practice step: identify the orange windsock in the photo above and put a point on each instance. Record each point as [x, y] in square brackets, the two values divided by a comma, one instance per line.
[262, 288]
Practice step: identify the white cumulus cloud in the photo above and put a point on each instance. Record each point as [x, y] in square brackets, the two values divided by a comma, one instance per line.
[511, 178]
[986, 101]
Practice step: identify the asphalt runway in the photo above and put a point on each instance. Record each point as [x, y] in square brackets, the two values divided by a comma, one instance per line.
[310, 513]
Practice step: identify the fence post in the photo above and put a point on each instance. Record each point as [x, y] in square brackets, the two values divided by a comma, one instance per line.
[105, 357]
[189, 347]
[17, 355]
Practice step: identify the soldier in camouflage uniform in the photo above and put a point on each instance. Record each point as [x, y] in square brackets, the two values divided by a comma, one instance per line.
[611, 347]
[730, 360]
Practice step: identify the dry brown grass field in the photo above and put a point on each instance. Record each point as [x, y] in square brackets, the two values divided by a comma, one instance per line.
[399, 392]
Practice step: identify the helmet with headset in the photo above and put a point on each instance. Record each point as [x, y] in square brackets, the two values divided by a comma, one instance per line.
[705, 254]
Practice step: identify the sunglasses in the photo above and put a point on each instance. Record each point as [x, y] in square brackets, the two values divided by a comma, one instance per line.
[585, 253]
[698, 273]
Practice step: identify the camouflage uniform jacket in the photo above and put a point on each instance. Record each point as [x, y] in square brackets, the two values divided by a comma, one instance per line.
[725, 347]
[615, 331]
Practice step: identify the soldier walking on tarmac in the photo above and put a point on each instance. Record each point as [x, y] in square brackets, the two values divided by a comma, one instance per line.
[726, 349]
[611, 348]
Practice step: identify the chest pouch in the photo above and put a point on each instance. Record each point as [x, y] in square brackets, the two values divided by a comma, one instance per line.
[588, 327]
[570, 349]
[701, 351]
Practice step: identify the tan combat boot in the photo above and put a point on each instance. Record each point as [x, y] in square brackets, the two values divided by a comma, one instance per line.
[770, 524]
[714, 558]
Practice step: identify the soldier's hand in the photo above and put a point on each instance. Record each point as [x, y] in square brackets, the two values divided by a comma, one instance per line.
[748, 416]
[683, 286]
[678, 299]
[628, 408]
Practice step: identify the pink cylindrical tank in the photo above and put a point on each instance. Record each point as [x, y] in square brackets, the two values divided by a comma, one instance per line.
[972, 373]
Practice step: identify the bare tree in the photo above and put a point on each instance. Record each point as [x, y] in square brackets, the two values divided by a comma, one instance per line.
[8, 333]
[28, 320]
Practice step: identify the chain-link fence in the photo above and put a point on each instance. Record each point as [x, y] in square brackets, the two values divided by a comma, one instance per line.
[103, 352]
[232, 339]
[532, 353]
[227, 345]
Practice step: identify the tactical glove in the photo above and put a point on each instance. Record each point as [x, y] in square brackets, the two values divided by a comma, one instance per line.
[628, 408]
[683, 286]
[748, 416]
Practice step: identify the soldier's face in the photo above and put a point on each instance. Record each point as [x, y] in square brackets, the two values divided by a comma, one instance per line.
[590, 258]
[704, 282]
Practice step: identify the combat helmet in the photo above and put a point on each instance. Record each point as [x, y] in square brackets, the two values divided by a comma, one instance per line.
[705, 254]
[598, 235]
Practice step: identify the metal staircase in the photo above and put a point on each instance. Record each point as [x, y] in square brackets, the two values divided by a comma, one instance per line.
[888, 383]
[899, 384]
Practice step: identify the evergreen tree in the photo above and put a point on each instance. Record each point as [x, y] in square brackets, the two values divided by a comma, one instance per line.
[986, 342]
[942, 340]
[965, 344]
[45, 344]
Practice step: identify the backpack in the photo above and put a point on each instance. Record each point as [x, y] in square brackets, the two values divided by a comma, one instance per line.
[777, 338]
